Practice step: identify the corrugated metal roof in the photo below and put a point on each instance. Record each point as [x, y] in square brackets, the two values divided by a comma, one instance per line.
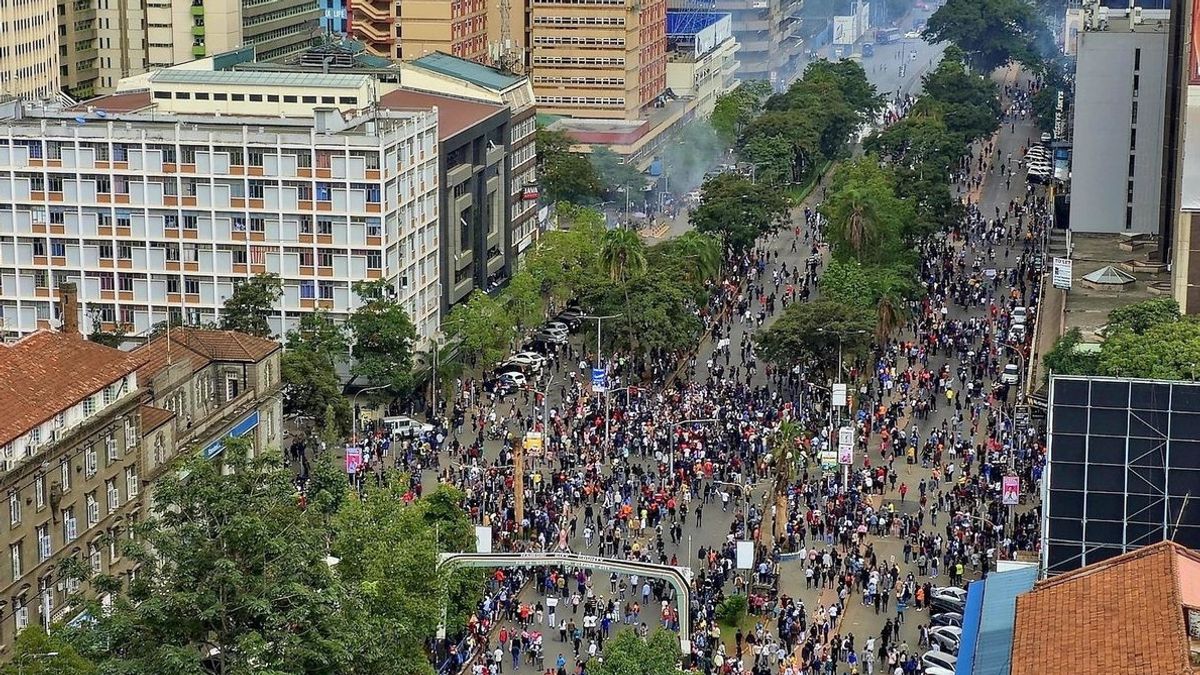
[993, 649]
[258, 78]
[472, 72]
[970, 629]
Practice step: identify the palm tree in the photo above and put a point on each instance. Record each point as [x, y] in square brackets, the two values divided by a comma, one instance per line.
[889, 317]
[861, 223]
[623, 258]
[704, 253]
[783, 457]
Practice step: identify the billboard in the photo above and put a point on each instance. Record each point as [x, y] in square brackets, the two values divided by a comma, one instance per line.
[1123, 468]
[845, 29]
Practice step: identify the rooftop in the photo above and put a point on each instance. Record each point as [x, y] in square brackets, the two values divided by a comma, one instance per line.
[258, 79]
[116, 103]
[454, 114]
[1122, 615]
[46, 373]
[687, 22]
[201, 346]
[475, 73]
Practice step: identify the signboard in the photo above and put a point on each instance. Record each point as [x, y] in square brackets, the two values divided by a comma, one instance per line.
[483, 539]
[829, 459]
[245, 426]
[1062, 273]
[845, 451]
[839, 394]
[529, 192]
[599, 381]
[745, 555]
[353, 459]
[533, 440]
[1011, 491]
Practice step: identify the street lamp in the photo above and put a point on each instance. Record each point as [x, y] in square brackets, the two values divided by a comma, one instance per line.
[599, 321]
[840, 335]
[519, 451]
[354, 408]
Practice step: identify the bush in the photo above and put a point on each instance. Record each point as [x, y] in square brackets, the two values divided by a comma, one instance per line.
[732, 610]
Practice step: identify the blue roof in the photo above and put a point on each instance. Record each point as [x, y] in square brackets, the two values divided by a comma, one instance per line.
[475, 73]
[688, 22]
[988, 622]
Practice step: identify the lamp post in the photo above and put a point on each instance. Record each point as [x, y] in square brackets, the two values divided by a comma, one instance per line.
[599, 322]
[840, 336]
[519, 450]
[354, 408]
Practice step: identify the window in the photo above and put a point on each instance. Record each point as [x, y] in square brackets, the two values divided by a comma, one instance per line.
[94, 557]
[324, 257]
[89, 406]
[131, 437]
[64, 474]
[39, 491]
[14, 508]
[43, 537]
[110, 447]
[1133, 139]
[1133, 113]
[21, 613]
[1131, 157]
[70, 525]
[14, 555]
[231, 388]
[131, 483]
[114, 494]
[93, 509]
[1129, 217]
[90, 462]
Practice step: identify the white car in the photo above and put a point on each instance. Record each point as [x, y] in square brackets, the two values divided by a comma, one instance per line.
[946, 637]
[937, 670]
[912, 35]
[406, 427]
[939, 660]
[1019, 314]
[512, 380]
[1011, 374]
[530, 359]
[950, 598]
[558, 325]
[559, 330]
[1016, 333]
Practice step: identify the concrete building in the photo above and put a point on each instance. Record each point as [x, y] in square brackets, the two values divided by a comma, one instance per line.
[101, 44]
[30, 48]
[764, 35]
[88, 428]
[476, 249]
[158, 201]
[701, 57]
[333, 17]
[1120, 88]
[415, 28]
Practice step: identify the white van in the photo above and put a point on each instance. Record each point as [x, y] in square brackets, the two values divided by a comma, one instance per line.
[406, 427]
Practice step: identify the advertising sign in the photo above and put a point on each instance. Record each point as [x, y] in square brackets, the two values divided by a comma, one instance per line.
[1193, 59]
[599, 383]
[839, 394]
[1062, 273]
[745, 555]
[846, 445]
[533, 440]
[353, 459]
[1011, 490]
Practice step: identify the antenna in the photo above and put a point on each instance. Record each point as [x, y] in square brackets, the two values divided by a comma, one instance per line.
[506, 57]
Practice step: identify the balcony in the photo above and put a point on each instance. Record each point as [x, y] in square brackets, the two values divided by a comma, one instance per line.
[372, 33]
[370, 11]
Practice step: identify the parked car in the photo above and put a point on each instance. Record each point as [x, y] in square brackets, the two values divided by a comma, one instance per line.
[571, 320]
[947, 638]
[1019, 314]
[1011, 375]
[558, 325]
[555, 338]
[512, 380]
[406, 427]
[530, 359]
[937, 670]
[939, 660]
[511, 367]
[949, 598]
[946, 619]
[1016, 333]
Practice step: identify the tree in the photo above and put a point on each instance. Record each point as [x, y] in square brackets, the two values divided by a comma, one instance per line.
[383, 335]
[617, 176]
[312, 386]
[695, 256]
[252, 301]
[31, 655]
[480, 327]
[785, 459]
[622, 255]
[991, 33]
[318, 332]
[968, 103]
[233, 580]
[738, 210]
[1045, 107]
[659, 311]
[1066, 358]
[734, 110]
[814, 332]
[563, 262]
[565, 175]
[1168, 351]
[867, 220]
[522, 299]
[628, 654]
[1140, 317]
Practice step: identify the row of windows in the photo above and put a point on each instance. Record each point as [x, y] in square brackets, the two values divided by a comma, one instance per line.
[610, 81]
[579, 20]
[578, 61]
[581, 100]
[252, 155]
[255, 98]
[575, 40]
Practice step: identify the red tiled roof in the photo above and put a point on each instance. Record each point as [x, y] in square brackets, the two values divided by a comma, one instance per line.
[1122, 616]
[153, 418]
[200, 346]
[116, 103]
[46, 373]
[454, 114]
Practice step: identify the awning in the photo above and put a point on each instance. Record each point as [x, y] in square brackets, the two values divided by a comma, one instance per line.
[243, 427]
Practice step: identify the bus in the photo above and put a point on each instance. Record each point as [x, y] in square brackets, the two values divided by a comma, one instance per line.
[886, 36]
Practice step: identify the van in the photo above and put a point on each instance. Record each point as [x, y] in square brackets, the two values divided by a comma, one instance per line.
[1017, 333]
[406, 427]
[1011, 374]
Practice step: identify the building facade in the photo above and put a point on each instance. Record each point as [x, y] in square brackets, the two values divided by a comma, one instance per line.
[333, 17]
[88, 430]
[162, 212]
[759, 28]
[702, 58]
[1117, 144]
[604, 59]
[415, 28]
[31, 48]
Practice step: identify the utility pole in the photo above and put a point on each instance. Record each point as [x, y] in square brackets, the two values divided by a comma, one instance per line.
[599, 321]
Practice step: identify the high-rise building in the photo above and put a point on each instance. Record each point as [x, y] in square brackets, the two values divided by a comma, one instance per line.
[1117, 133]
[103, 41]
[29, 49]
[333, 16]
[163, 210]
[415, 28]
[758, 27]
[701, 57]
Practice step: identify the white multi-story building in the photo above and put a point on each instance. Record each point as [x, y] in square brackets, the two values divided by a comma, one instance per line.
[159, 201]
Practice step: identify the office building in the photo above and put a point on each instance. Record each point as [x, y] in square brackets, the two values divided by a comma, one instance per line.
[701, 57]
[414, 28]
[333, 17]
[87, 430]
[1120, 89]
[30, 44]
[766, 43]
[101, 45]
[158, 201]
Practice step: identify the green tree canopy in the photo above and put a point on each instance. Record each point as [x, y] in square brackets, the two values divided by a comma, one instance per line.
[252, 301]
[1169, 351]
[481, 328]
[36, 653]
[992, 33]
[628, 654]
[1140, 317]
[811, 332]
[562, 174]
[738, 210]
[734, 110]
[383, 334]
[867, 220]
[308, 368]
[1066, 358]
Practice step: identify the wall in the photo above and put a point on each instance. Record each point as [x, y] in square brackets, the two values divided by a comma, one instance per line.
[1105, 131]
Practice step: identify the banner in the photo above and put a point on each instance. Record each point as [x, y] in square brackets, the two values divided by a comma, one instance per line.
[1011, 492]
[846, 445]
[353, 459]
